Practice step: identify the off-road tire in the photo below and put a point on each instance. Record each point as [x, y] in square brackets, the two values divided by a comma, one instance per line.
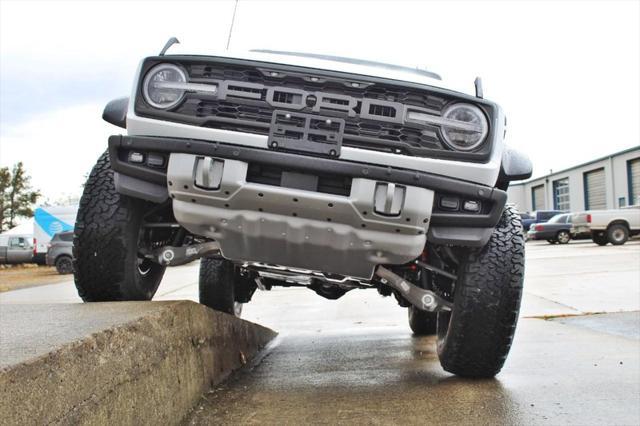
[217, 285]
[475, 337]
[562, 240]
[600, 238]
[64, 265]
[422, 323]
[617, 234]
[107, 266]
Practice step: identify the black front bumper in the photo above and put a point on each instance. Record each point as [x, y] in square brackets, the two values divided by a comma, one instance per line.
[448, 225]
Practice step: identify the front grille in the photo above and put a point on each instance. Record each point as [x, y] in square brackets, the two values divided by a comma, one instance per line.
[256, 119]
[372, 111]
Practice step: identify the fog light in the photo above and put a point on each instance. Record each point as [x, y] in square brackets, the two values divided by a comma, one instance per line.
[155, 160]
[449, 203]
[136, 157]
[471, 206]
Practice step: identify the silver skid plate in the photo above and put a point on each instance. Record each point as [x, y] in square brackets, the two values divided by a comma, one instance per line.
[299, 228]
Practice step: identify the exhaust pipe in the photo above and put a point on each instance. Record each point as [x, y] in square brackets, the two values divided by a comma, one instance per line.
[425, 300]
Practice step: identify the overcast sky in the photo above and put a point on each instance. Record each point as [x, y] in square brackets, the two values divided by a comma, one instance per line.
[566, 73]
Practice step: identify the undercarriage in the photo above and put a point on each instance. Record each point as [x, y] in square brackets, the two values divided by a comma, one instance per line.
[167, 243]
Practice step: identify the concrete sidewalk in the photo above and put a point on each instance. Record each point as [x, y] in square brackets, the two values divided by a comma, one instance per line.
[116, 363]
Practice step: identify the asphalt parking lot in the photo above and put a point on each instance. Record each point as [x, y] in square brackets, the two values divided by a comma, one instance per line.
[575, 359]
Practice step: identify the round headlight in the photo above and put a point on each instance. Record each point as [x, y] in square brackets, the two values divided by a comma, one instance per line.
[465, 126]
[162, 86]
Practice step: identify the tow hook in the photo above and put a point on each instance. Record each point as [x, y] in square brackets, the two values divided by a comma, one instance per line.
[174, 256]
[421, 298]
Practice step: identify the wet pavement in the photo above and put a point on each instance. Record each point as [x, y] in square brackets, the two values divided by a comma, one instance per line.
[354, 360]
[556, 374]
[625, 324]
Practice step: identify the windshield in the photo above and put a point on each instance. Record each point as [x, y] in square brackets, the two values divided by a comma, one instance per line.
[416, 70]
[559, 218]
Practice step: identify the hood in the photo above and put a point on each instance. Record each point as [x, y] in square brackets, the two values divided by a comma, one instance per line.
[332, 63]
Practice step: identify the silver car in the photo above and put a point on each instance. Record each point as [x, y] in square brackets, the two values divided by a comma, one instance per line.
[60, 252]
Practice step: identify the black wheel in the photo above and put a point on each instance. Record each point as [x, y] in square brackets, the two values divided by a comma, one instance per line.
[600, 238]
[617, 234]
[64, 265]
[108, 233]
[221, 286]
[475, 337]
[422, 323]
[563, 237]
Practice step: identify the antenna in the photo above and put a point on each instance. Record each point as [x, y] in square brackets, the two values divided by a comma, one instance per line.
[233, 19]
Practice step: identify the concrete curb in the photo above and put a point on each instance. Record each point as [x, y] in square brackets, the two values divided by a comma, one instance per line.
[131, 363]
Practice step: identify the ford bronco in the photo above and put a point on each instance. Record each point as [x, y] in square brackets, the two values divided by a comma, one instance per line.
[335, 174]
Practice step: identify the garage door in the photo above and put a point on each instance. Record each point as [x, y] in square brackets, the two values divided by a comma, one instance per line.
[561, 198]
[633, 170]
[537, 198]
[595, 190]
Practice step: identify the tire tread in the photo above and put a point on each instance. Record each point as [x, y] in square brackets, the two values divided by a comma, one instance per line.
[102, 243]
[477, 340]
[216, 284]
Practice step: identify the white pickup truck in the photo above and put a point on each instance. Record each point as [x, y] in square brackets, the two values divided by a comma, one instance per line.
[608, 226]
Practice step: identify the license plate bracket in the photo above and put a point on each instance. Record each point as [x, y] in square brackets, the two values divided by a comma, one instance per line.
[310, 133]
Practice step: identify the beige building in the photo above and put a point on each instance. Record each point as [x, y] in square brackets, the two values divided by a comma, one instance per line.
[605, 183]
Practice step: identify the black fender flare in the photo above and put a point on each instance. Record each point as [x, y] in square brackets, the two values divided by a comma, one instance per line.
[115, 112]
[515, 166]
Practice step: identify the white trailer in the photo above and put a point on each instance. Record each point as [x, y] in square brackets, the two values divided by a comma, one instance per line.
[48, 221]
